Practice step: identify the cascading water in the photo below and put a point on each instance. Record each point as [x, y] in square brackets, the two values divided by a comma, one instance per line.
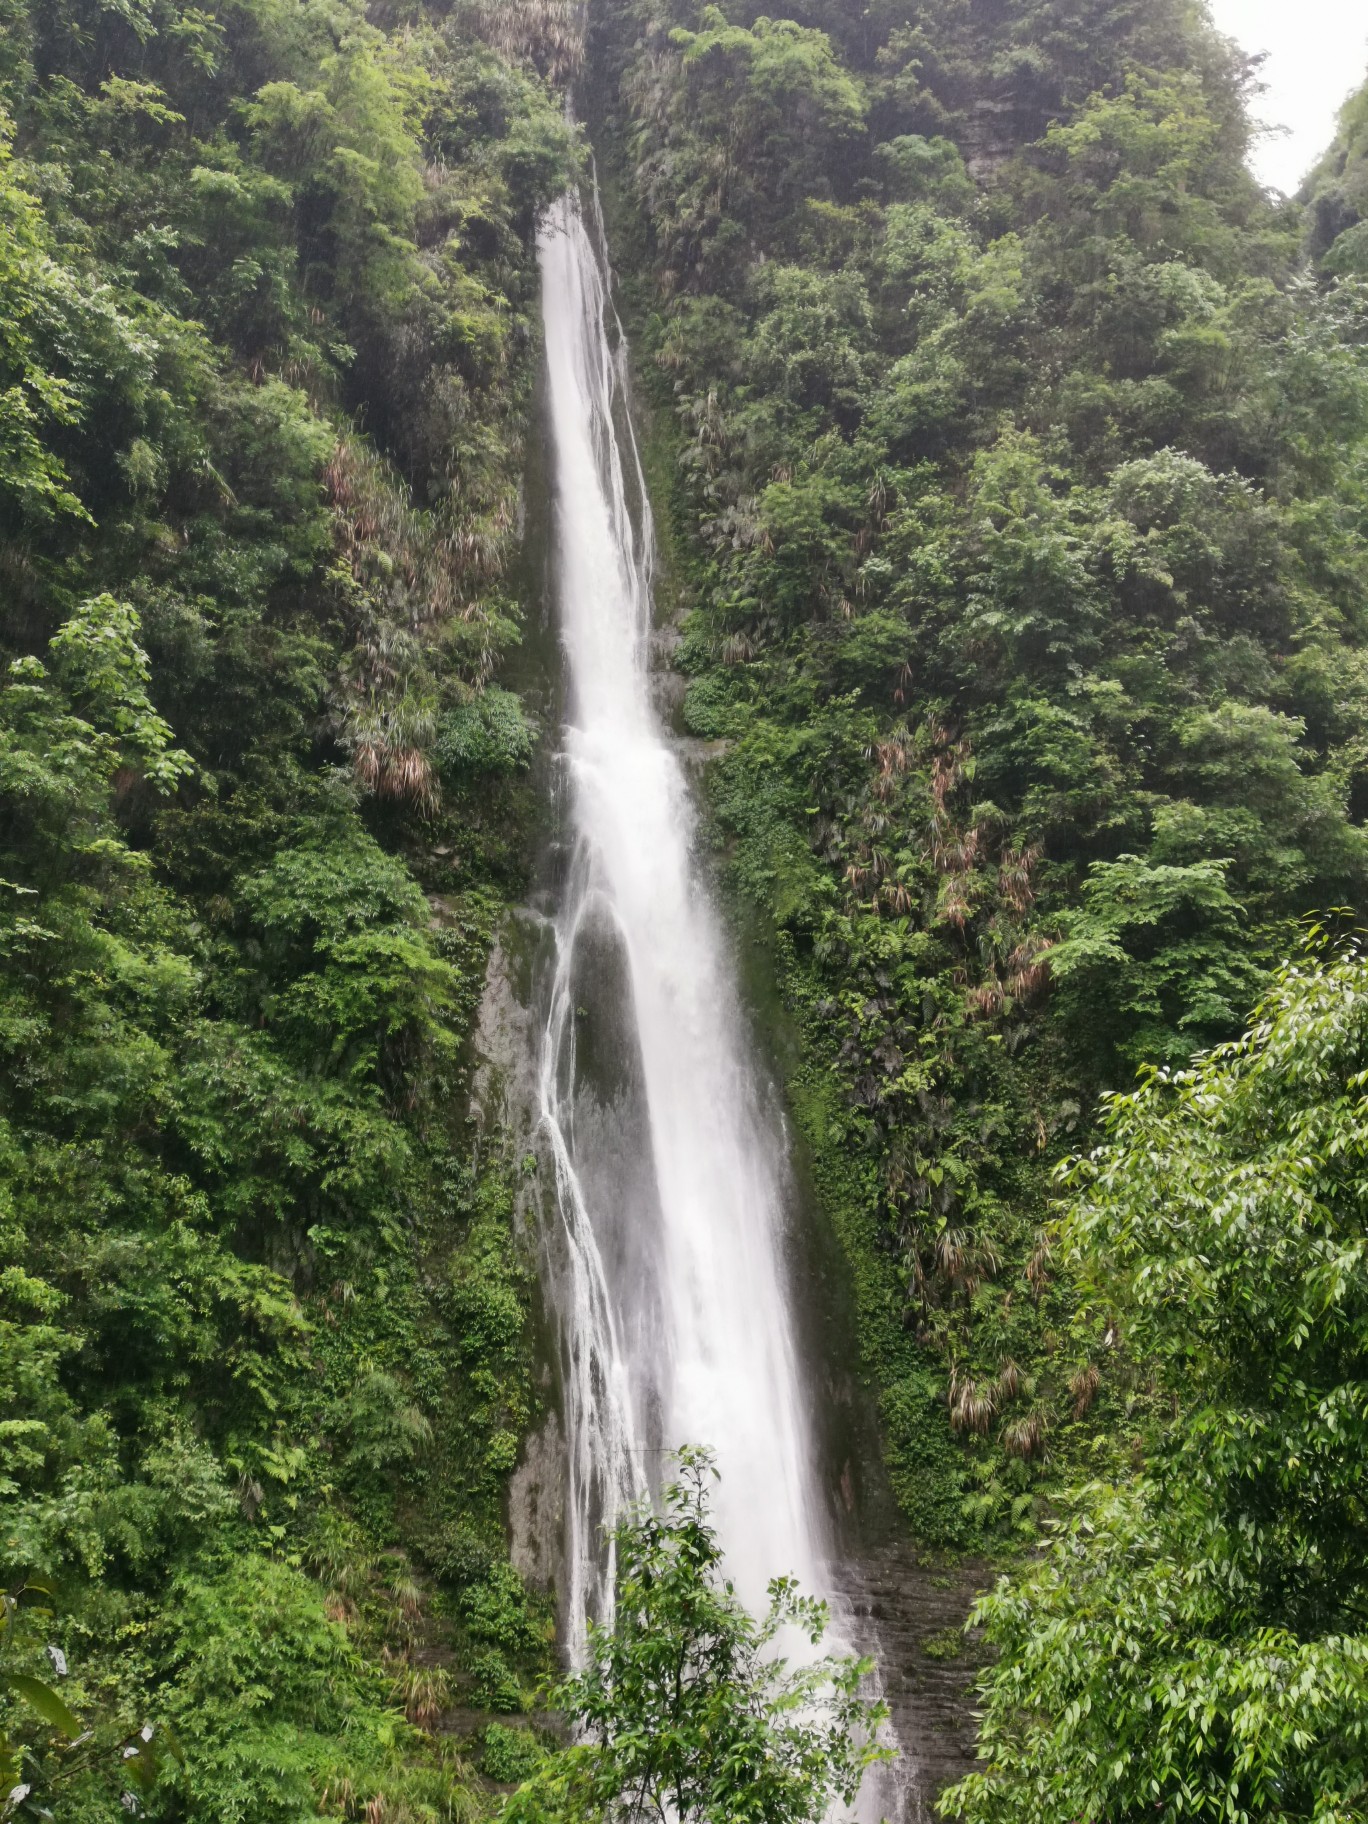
[692, 1343]
[673, 1312]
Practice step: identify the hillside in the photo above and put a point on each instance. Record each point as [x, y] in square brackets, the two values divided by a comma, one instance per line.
[1010, 452]
[268, 353]
[1017, 481]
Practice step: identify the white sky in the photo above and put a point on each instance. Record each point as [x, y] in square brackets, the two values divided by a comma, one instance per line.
[1318, 53]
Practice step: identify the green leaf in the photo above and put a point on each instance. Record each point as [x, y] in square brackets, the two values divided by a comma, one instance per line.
[45, 1701]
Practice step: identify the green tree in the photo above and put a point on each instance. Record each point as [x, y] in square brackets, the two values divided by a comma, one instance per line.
[1153, 954]
[35, 399]
[45, 1748]
[1338, 193]
[688, 1706]
[1194, 1644]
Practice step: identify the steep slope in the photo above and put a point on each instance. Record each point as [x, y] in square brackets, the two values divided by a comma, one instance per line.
[267, 356]
[1016, 480]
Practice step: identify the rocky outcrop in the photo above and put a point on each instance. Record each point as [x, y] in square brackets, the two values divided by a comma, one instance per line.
[914, 1610]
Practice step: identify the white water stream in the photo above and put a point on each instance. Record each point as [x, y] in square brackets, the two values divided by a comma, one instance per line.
[679, 1333]
[674, 1317]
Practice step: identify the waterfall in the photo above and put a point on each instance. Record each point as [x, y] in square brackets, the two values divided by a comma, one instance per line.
[677, 1329]
[670, 1282]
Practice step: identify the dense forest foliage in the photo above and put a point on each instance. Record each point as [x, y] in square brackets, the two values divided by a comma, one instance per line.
[1337, 194]
[1192, 1645]
[266, 293]
[1013, 447]
[1015, 442]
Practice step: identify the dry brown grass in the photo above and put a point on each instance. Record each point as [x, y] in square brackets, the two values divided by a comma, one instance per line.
[972, 1405]
[1083, 1388]
[547, 33]
[424, 1692]
[1024, 1437]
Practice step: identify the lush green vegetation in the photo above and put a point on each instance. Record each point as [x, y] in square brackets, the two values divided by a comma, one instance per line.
[1337, 193]
[1019, 494]
[266, 284]
[689, 1707]
[1015, 448]
[1193, 1645]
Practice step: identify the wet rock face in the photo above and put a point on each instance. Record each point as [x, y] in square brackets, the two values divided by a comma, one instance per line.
[536, 1507]
[915, 1613]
